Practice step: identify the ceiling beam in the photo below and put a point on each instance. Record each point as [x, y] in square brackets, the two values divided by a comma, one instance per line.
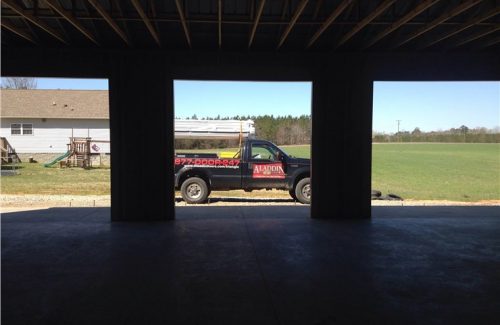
[256, 21]
[54, 4]
[219, 10]
[441, 19]
[7, 25]
[494, 41]
[368, 19]
[152, 7]
[465, 26]
[145, 19]
[406, 18]
[284, 10]
[476, 36]
[34, 20]
[92, 22]
[102, 11]
[341, 7]
[317, 9]
[295, 17]
[180, 10]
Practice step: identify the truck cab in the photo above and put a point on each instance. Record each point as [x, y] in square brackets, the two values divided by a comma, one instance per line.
[258, 164]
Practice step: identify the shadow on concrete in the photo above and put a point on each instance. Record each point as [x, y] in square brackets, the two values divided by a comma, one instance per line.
[244, 200]
[252, 265]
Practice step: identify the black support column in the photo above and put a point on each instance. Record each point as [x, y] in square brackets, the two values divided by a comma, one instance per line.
[341, 144]
[141, 123]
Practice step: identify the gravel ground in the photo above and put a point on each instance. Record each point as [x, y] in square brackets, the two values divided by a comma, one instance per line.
[10, 203]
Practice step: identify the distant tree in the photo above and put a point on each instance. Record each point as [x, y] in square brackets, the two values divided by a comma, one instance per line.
[464, 131]
[194, 117]
[416, 131]
[19, 83]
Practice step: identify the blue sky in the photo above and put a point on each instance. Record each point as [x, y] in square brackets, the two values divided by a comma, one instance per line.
[427, 105]
[435, 105]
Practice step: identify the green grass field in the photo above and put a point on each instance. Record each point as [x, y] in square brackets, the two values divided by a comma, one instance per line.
[457, 172]
[36, 179]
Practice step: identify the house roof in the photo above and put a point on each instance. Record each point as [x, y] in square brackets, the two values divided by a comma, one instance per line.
[63, 104]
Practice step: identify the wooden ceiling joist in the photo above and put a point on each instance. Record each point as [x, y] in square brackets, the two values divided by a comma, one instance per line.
[256, 21]
[54, 4]
[441, 19]
[343, 5]
[465, 26]
[491, 42]
[34, 20]
[317, 9]
[7, 25]
[479, 35]
[295, 17]
[219, 21]
[406, 18]
[368, 19]
[102, 11]
[180, 10]
[138, 7]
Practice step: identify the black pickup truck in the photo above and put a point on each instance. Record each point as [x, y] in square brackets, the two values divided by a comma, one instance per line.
[258, 164]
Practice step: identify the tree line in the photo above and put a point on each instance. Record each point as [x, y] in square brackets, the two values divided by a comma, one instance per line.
[462, 134]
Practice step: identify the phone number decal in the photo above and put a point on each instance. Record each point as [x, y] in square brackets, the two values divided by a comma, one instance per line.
[207, 162]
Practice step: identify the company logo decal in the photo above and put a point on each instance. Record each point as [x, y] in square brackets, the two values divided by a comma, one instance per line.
[268, 171]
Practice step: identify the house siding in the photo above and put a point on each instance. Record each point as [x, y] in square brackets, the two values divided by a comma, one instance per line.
[52, 135]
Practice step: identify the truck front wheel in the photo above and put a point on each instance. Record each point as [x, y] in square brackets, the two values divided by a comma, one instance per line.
[194, 190]
[303, 190]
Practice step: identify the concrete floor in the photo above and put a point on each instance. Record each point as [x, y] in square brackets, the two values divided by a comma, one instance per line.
[252, 265]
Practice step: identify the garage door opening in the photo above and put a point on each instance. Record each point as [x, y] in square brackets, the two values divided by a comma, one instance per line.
[436, 143]
[219, 126]
[56, 137]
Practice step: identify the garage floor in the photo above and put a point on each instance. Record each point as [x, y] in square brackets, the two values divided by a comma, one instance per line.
[252, 265]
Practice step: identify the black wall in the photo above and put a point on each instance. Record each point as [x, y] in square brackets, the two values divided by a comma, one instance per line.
[141, 111]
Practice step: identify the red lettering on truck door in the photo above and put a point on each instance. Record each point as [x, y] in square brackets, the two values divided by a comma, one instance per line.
[268, 171]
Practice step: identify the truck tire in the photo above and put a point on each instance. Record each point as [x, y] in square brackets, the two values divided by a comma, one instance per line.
[194, 190]
[303, 190]
[292, 194]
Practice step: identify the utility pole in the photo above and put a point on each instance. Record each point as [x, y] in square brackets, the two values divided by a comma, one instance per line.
[399, 136]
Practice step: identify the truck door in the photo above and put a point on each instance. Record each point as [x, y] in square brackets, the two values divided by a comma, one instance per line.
[265, 169]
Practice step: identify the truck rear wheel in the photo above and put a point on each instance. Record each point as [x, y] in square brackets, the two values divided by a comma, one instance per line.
[194, 190]
[303, 190]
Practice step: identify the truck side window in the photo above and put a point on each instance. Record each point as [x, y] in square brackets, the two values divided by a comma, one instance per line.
[262, 152]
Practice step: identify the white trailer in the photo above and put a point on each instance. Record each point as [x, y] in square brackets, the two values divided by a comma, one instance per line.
[213, 129]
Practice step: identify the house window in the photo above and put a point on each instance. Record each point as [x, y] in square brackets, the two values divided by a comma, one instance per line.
[27, 129]
[21, 129]
[15, 129]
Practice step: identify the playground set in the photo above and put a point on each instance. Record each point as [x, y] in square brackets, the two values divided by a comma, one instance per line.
[79, 153]
[9, 157]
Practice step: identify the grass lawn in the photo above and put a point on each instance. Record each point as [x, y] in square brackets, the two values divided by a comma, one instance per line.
[457, 172]
[36, 179]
